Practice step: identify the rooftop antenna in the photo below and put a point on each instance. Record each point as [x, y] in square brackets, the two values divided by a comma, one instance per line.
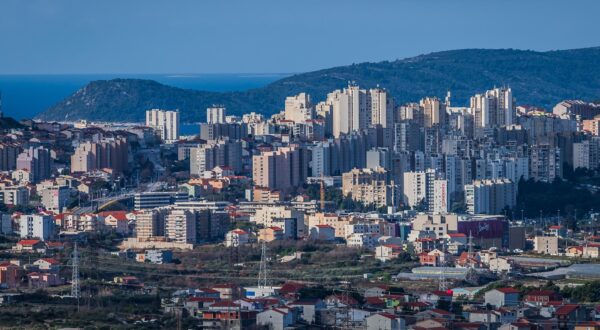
[75, 290]
[262, 274]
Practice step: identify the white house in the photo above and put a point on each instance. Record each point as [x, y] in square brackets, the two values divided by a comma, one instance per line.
[502, 297]
[276, 318]
[236, 238]
[387, 252]
[322, 233]
[367, 240]
[385, 321]
[500, 265]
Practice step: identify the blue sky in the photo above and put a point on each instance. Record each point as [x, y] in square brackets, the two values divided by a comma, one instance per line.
[260, 36]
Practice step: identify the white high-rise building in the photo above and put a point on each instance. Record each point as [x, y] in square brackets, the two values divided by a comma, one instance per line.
[441, 199]
[490, 196]
[415, 188]
[165, 122]
[216, 114]
[381, 108]
[298, 108]
[493, 108]
[36, 226]
[180, 226]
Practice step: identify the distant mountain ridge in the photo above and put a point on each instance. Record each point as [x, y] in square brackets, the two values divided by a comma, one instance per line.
[537, 78]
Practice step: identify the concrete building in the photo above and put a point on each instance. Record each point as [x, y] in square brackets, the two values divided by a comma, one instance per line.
[502, 297]
[36, 161]
[298, 108]
[415, 188]
[287, 218]
[150, 224]
[150, 200]
[441, 197]
[166, 123]
[283, 169]
[546, 245]
[545, 163]
[369, 186]
[180, 227]
[385, 321]
[206, 157]
[490, 196]
[434, 111]
[14, 195]
[36, 226]
[494, 108]
[216, 114]
[586, 154]
[105, 154]
[55, 198]
[8, 156]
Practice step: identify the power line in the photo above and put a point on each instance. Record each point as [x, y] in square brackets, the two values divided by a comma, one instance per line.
[75, 289]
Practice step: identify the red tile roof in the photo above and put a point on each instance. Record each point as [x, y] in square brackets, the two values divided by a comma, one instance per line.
[119, 215]
[566, 309]
[28, 242]
[508, 290]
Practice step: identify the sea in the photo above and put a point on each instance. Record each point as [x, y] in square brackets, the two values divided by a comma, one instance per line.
[24, 96]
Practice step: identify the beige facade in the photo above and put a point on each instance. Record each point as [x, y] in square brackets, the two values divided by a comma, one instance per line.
[108, 153]
[546, 245]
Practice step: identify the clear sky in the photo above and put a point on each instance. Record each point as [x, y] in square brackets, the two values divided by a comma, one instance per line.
[261, 36]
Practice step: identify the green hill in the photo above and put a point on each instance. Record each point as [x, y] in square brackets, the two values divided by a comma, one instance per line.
[538, 78]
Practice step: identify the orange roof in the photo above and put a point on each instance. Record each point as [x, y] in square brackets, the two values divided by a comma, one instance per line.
[566, 309]
[508, 290]
[51, 261]
[28, 242]
[119, 215]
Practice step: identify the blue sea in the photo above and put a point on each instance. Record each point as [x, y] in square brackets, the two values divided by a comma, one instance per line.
[24, 96]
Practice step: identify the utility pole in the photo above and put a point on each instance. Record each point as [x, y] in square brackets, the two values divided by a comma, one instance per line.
[322, 194]
[75, 290]
[262, 273]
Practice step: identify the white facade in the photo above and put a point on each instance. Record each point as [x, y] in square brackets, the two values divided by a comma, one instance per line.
[180, 226]
[36, 226]
[216, 115]
[415, 188]
[298, 108]
[165, 122]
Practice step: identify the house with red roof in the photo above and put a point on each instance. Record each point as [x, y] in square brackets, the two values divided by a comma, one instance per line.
[385, 321]
[502, 297]
[270, 234]
[29, 245]
[277, 318]
[291, 290]
[117, 220]
[386, 252]
[10, 275]
[519, 325]
[48, 264]
[542, 297]
[569, 315]
[43, 280]
[322, 232]
[228, 291]
[309, 308]
[237, 237]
